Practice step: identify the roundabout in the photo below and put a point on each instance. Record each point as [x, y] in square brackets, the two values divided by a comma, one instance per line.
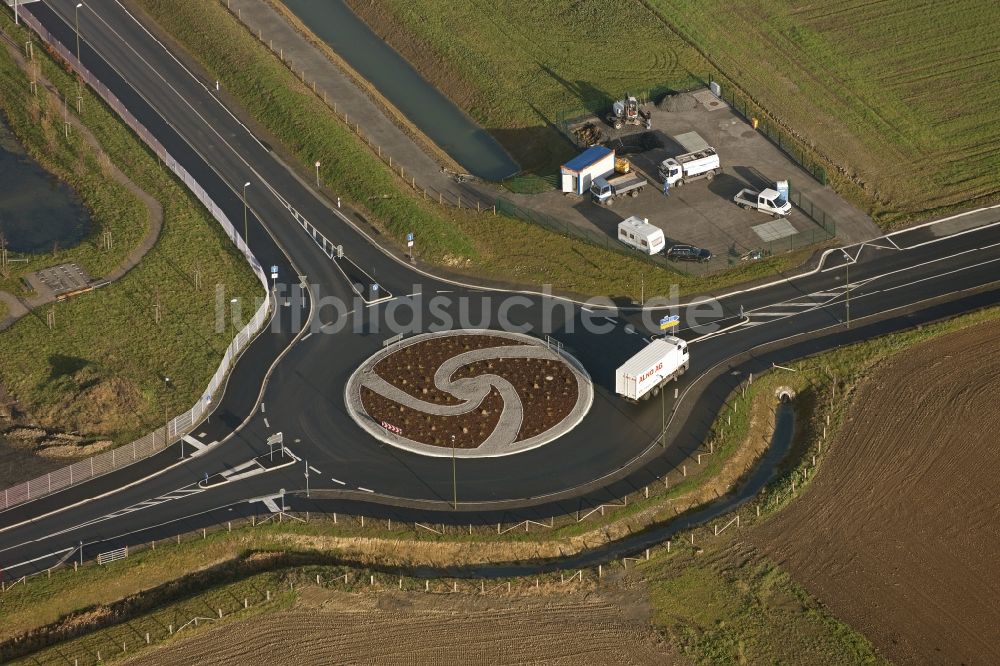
[469, 394]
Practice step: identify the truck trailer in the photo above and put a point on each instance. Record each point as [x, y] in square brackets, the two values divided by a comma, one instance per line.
[643, 375]
[606, 190]
[641, 235]
[690, 166]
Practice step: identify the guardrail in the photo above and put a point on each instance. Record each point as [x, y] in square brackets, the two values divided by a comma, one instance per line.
[181, 424]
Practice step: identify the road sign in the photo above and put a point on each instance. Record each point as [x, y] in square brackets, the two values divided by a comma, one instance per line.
[375, 287]
[409, 237]
[274, 272]
[668, 322]
[391, 428]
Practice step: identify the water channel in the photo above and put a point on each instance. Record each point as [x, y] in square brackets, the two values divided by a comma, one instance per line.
[37, 210]
[423, 104]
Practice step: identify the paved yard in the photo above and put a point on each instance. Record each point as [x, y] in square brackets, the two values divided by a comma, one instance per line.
[702, 212]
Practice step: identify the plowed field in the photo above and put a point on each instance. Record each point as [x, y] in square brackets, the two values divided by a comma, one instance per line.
[898, 533]
[417, 628]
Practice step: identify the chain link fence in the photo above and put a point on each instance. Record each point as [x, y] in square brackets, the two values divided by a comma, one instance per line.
[180, 425]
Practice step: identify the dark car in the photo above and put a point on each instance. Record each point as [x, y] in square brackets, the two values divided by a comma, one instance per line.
[687, 253]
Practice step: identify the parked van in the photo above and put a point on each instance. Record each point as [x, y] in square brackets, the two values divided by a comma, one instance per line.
[641, 235]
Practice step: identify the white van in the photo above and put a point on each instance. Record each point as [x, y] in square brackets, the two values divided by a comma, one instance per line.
[641, 235]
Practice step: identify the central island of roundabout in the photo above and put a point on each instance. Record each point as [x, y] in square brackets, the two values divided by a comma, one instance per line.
[469, 393]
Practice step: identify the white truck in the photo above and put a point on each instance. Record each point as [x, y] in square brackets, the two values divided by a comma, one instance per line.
[605, 190]
[649, 371]
[640, 234]
[768, 200]
[676, 171]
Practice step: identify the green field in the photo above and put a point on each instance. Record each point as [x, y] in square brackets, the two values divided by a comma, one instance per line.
[899, 96]
[517, 66]
[464, 241]
[100, 370]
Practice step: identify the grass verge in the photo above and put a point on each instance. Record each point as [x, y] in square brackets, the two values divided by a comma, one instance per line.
[100, 370]
[497, 247]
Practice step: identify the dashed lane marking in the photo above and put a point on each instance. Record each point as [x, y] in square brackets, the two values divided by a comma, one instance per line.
[338, 481]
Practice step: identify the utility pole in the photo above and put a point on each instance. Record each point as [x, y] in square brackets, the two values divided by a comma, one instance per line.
[454, 476]
[663, 418]
[77, 14]
[848, 265]
[307, 477]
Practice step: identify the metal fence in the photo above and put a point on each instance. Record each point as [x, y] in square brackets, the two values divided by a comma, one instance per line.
[180, 425]
[592, 236]
[788, 143]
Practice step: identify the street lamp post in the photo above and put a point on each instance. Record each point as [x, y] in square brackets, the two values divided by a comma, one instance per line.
[77, 15]
[317, 173]
[663, 418]
[848, 266]
[307, 477]
[16, 20]
[454, 476]
[246, 238]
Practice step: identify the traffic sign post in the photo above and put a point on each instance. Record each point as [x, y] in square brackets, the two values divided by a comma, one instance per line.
[274, 276]
[409, 245]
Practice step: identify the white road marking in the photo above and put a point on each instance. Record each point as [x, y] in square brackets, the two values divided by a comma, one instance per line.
[271, 506]
[266, 424]
[306, 337]
[262, 408]
[198, 444]
[338, 481]
[314, 469]
[367, 490]
[610, 320]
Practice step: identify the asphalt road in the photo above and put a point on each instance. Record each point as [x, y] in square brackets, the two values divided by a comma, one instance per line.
[894, 282]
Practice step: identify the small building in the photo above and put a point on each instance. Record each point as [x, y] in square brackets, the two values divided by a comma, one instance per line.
[641, 235]
[595, 162]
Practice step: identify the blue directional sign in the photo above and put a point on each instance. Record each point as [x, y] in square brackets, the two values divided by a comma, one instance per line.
[409, 237]
[667, 322]
[274, 272]
[375, 288]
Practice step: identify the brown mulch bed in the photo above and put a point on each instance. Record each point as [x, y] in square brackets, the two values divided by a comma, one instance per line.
[548, 390]
[470, 429]
[546, 401]
[412, 368]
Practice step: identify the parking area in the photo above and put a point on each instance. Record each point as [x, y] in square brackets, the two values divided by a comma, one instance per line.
[702, 212]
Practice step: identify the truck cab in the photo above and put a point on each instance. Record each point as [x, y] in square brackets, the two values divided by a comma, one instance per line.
[772, 201]
[601, 190]
[768, 200]
[670, 171]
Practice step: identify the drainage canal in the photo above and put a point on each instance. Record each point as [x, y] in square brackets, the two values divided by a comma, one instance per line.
[423, 104]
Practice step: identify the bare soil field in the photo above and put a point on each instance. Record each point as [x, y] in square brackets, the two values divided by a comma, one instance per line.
[897, 534]
[417, 628]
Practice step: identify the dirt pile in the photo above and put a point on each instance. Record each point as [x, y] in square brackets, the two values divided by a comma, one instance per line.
[897, 533]
[678, 102]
